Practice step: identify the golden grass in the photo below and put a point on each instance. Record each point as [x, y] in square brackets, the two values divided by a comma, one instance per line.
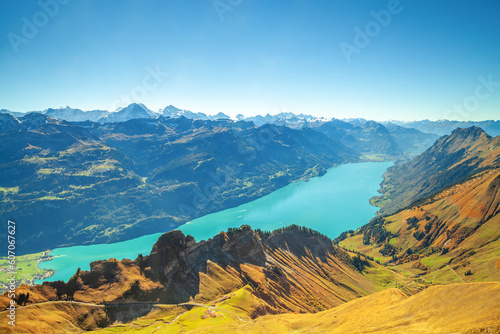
[469, 204]
[438, 309]
[54, 317]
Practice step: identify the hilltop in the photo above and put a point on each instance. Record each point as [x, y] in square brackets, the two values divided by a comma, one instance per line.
[446, 127]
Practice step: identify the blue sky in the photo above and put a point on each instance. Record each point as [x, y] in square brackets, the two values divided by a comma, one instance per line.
[432, 59]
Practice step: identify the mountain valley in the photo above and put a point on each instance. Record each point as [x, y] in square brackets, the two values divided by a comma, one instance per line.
[114, 181]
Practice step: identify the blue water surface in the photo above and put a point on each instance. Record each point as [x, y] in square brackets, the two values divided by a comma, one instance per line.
[333, 203]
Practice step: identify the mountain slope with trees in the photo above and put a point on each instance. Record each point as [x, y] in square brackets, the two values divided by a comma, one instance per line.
[73, 183]
[451, 159]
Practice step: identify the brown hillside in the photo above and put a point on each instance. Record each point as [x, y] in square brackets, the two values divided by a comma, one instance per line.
[457, 229]
[456, 213]
[289, 270]
[465, 308]
[56, 317]
[450, 160]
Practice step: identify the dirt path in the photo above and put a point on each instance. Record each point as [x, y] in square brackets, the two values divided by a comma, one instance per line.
[56, 302]
[455, 274]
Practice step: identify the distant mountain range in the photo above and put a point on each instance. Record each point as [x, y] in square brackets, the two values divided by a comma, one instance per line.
[374, 140]
[288, 119]
[445, 127]
[136, 171]
[132, 111]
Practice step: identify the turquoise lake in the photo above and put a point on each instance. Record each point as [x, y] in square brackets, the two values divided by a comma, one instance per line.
[333, 203]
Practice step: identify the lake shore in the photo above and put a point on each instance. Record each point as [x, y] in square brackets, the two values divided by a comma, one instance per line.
[28, 270]
[331, 203]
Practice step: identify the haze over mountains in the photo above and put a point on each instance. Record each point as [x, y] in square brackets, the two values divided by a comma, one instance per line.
[138, 110]
[383, 140]
[445, 127]
[132, 111]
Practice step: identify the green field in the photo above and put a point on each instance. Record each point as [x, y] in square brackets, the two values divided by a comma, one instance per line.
[26, 266]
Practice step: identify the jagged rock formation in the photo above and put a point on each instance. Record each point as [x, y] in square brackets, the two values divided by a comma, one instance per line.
[271, 263]
[289, 270]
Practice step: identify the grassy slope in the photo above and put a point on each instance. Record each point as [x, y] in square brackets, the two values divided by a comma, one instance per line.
[440, 309]
[465, 204]
[451, 159]
[234, 310]
[55, 317]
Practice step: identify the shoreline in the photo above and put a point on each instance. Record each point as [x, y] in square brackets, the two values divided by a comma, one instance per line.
[24, 275]
[49, 272]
